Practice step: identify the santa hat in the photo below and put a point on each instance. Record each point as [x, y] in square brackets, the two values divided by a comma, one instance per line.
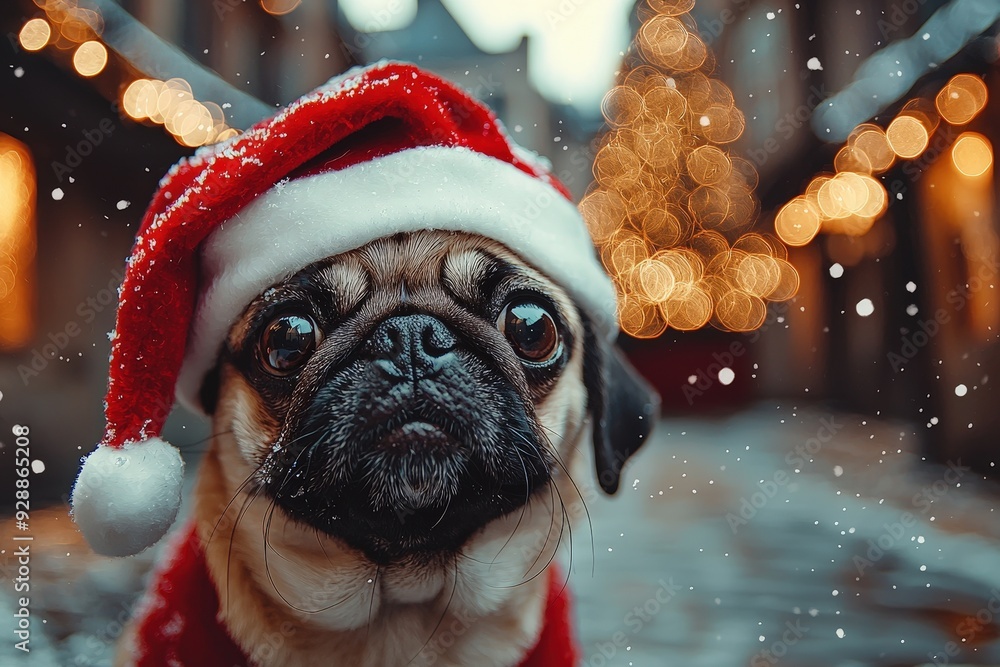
[378, 151]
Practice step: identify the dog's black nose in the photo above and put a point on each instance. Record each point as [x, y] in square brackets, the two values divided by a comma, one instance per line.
[412, 346]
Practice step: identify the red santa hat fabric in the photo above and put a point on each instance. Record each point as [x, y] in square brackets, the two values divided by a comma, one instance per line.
[379, 150]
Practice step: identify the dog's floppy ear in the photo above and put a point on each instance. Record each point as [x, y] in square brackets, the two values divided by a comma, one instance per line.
[622, 405]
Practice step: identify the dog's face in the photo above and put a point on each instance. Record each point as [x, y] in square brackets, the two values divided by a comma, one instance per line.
[403, 398]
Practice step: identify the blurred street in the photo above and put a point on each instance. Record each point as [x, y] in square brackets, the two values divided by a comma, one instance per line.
[866, 557]
[715, 552]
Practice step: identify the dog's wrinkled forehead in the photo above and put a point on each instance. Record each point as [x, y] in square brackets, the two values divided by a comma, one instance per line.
[434, 271]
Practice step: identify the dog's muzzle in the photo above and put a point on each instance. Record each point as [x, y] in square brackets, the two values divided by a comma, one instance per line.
[412, 445]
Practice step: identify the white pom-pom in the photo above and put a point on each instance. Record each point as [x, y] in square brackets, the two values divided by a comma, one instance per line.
[126, 499]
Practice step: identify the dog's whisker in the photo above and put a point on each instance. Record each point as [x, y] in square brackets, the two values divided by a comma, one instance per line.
[545, 543]
[225, 511]
[232, 535]
[524, 507]
[371, 600]
[190, 446]
[444, 613]
[583, 503]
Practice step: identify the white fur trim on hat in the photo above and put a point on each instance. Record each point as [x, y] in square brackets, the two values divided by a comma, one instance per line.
[126, 498]
[305, 220]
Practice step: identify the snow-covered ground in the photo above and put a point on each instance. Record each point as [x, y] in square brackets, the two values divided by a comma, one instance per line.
[776, 536]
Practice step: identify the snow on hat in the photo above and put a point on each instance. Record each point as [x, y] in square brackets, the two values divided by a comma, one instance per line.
[377, 151]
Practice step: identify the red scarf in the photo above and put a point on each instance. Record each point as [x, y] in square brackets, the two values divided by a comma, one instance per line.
[179, 625]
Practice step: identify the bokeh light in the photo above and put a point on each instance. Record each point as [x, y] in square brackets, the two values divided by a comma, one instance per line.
[17, 244]
[90, 58]
[279, 7]
[35, 35]
[961, 99]
[907, 136]
[798, 222]
[171, 103]
[972, 154]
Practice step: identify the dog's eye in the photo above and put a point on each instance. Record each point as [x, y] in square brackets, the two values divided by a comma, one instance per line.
[530, 329]
[287, 342]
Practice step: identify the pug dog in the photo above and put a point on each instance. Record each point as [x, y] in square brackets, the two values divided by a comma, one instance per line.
[396, 428]
[401, 331]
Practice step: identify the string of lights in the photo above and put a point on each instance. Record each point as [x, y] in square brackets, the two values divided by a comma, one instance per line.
[850, 200]
[72, 28]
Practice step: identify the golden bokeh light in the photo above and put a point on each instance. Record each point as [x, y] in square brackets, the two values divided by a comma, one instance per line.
[656, 280]
[171, 103]
[961, 99]
[671, 209]
[798, 222]
[871, 142]
[35, 35]
[671, 7]
[279, 7]
[17, 244]
[972, 154]
[226, 134]
[90, 58]
[908, 136]
[135, 99]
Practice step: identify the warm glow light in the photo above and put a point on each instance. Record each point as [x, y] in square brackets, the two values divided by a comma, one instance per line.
[226, 134]
[961, 99]
[90, 58]
[135, 99]
[672, 208]
[907, 136]
[797, 222]
[852, 200]
[871, 142]
[17, 243]
[35, 34]
[279, 7]
[972, 154]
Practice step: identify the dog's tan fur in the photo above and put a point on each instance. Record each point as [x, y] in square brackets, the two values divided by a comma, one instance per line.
[291, 595]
